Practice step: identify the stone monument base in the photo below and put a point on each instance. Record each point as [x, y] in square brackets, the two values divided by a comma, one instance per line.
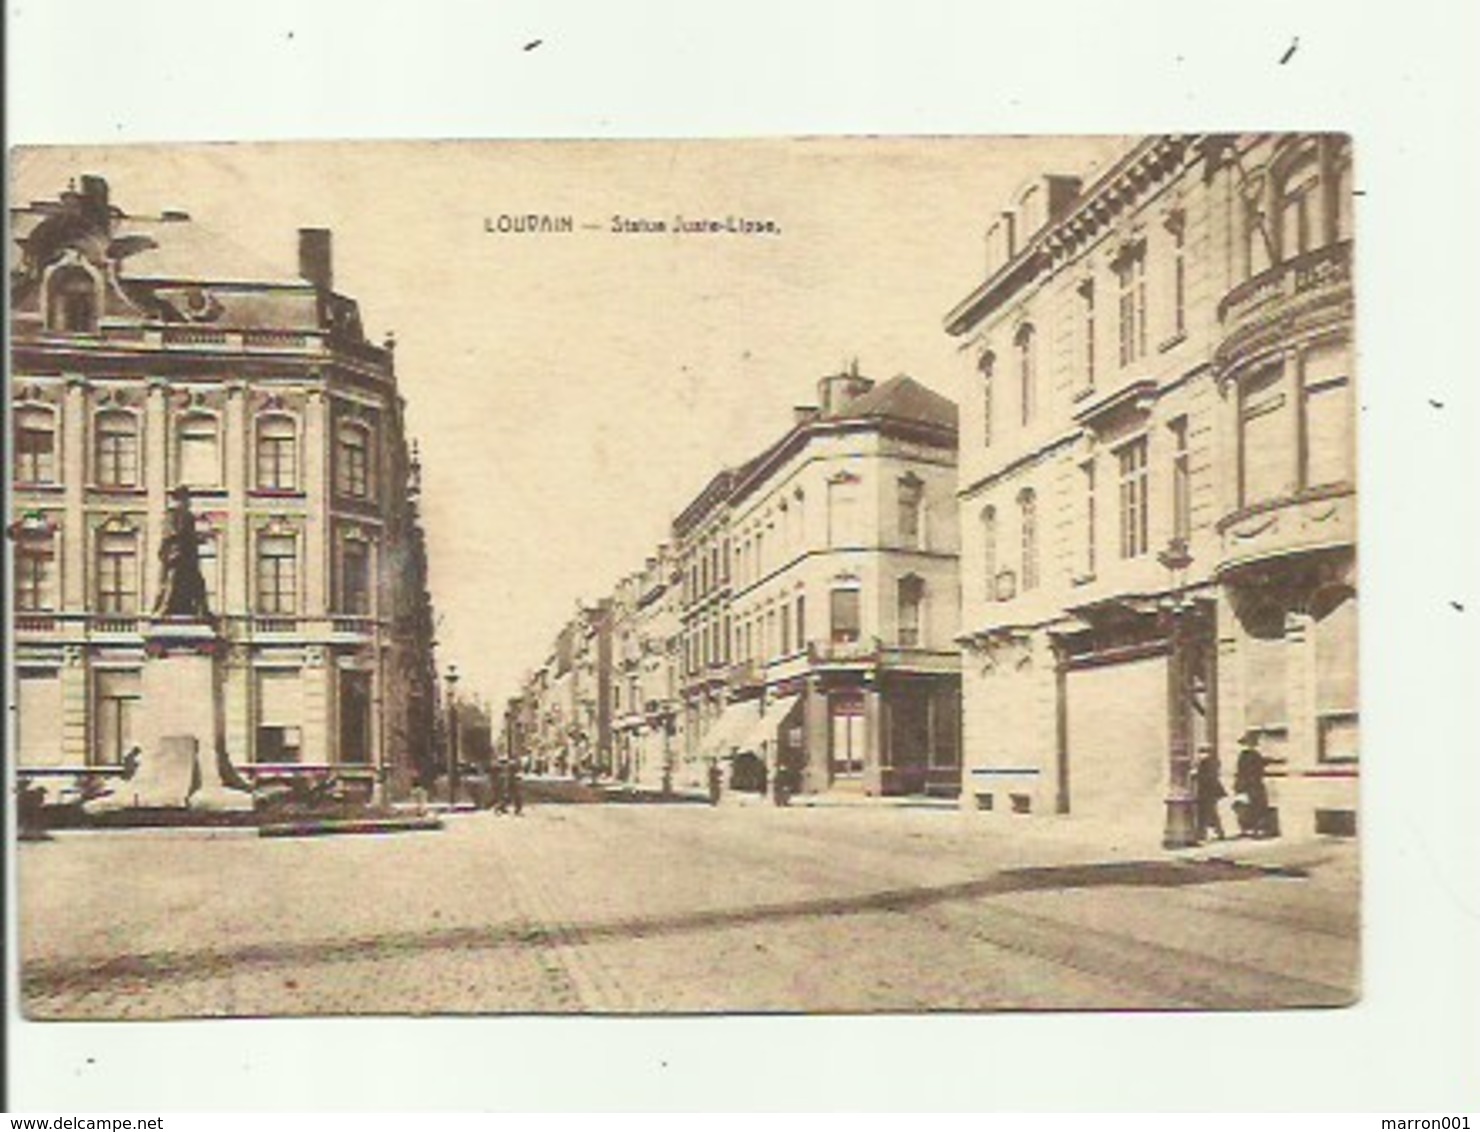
[182, 758]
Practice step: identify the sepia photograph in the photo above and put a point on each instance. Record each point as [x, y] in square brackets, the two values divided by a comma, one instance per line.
[800, 575]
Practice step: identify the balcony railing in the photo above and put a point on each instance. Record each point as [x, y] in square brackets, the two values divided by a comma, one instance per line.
[35, 623]
[115, 624]
[860, 651]
[1297, 282]
[1308, 520]
[747, 674]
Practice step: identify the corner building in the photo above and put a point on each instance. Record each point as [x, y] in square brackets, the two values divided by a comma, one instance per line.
[149, 353]
[1157, 489]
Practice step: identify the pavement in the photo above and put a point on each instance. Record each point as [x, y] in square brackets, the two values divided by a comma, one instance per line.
[679, 909]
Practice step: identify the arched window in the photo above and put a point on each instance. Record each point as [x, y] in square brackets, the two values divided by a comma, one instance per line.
[116, 449]
[72, 301]
[1301, 211]
[277, 453]
[354, 469]
[987, 364]
[1027, 375]
[989, 552]
[1028, 516]
[35, 445]
[198, 451]
[35, 570]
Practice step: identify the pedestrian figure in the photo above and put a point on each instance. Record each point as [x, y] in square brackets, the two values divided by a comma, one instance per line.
[500, 799]
[1210, 791]
[513, 786]
[715, 779]
[1255, 818]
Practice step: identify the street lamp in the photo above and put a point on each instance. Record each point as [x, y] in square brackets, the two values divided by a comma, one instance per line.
[1181, 803]
[452, 775]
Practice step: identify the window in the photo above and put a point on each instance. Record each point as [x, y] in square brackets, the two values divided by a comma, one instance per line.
[1300, 212]
[197, 451]
[911, 598]
[911, 500]
[1027, 376]
[116, 450]
[1327, 417]
[785, 631]
[72, 301]
[846, 614]
[986, 365]
[35, 445]
[1266, 464]
[115, 704]
[1181, 481]
[277, 574]
[1087, 292]
[210, 565]
[352, 462]
[801, 621]
[1178, 228]
[118, 572]
[1087, 475]
[1028, 521]
[989, 552]
[1133, 521]
[1130, 274]
[35, 572]
[355, 593]
[277, 454]
[842, 512]
[279, 717]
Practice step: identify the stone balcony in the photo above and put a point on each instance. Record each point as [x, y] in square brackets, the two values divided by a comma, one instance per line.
[746, 675]
[857, 653]
[1282, 303]
[1315, 519]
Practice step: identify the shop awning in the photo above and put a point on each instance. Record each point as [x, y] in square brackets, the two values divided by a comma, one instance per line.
[763, 730]
[732, 722]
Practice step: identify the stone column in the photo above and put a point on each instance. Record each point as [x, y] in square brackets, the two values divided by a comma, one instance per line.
[317, 672]
[75, 707]
[236, 441]
[76, 570]
[156, 472]
[318, 456]
[817, 775]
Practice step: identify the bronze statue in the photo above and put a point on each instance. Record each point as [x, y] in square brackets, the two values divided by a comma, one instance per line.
[182, 587]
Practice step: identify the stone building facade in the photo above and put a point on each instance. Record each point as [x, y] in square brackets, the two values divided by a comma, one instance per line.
[1157, 488]
[146, 357]
[844, 597]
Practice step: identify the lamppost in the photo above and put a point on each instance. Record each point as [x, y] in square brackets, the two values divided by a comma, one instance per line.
[452, 774]
[1181, 803]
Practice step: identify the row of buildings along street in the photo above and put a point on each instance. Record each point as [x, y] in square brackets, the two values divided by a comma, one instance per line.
[1127, 545]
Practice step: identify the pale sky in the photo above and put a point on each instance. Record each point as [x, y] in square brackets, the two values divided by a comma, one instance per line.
[572, 392]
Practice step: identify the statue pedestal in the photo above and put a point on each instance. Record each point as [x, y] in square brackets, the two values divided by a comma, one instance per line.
[180, 723]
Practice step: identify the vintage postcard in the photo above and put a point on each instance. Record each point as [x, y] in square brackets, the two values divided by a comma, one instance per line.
[801, 575]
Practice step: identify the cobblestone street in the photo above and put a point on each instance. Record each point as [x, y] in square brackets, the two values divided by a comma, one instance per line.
[679, 909]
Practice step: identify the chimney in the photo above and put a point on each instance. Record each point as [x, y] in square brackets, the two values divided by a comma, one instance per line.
[316, 257]
[836, 392]
[95, 200]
